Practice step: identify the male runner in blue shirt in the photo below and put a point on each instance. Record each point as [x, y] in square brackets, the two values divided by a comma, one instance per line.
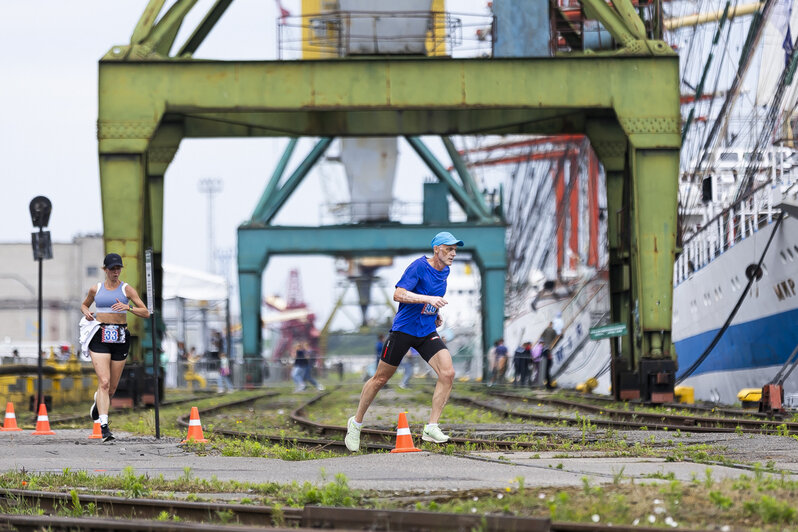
[420, 294]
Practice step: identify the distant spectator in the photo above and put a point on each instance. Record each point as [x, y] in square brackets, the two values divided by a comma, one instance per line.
[409, 365]
[500, 362]
[215, 346]
[15, 358]
[521, 360]
[225, 384]
[301, 370]
[298, 371]
[537, 354]
[549, 338]
[313, 363]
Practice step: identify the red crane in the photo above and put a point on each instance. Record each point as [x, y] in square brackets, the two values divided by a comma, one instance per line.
[294, 319]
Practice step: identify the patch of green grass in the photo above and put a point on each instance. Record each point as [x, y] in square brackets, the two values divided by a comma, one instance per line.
[285, 451]
[771, 510]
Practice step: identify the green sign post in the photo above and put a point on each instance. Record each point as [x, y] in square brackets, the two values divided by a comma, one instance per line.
[608, 331]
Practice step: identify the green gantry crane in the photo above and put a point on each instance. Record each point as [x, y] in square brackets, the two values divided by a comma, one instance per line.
[625, 100]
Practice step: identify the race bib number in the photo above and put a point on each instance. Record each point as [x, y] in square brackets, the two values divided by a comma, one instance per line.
[112, 334]
[429, 310]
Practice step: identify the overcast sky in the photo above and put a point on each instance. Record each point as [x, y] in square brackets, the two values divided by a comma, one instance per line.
[48, 143]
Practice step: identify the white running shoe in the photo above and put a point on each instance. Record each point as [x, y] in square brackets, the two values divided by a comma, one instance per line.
[352, 439]
[434, 434]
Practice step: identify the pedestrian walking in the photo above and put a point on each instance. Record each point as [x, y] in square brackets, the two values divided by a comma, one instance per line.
[225, 384]
[499, 362]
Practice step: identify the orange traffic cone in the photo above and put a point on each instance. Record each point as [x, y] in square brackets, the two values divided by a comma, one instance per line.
[404, 440]
[11, 419]
[194, 428]
[42, 423]
[97, 433]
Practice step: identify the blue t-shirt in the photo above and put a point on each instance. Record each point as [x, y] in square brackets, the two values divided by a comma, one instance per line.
[418, 319]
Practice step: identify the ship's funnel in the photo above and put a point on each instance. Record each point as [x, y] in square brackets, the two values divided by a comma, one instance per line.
[370, 165]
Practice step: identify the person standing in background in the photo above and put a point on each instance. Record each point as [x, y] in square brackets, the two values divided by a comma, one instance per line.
[549, 339]
[499, 362]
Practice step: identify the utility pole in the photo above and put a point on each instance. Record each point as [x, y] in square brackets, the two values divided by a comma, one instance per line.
[40, 208]
[225, 256]
[210, 186]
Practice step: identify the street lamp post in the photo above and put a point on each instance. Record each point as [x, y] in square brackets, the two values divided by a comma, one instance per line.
[40, 208]
[210, 186]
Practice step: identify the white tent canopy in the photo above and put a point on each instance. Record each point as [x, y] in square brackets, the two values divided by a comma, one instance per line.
[192, 284]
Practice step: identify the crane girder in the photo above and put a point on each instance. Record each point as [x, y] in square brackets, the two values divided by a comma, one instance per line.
[627, 104]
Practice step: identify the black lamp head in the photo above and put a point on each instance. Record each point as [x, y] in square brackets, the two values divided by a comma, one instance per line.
[40, 208]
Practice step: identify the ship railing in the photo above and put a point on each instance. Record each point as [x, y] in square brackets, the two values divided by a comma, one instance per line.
[734, 224]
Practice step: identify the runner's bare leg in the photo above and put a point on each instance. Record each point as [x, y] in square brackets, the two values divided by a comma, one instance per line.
[441, 362]
[372, 386]
[102, 366]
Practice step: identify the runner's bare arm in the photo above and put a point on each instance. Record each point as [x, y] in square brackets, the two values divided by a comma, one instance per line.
[84, 307]
[402, 295]
[138, 308]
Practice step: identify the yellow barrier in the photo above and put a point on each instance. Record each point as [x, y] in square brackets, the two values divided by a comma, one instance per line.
[65, 386]
[685, 394]
[750, 397]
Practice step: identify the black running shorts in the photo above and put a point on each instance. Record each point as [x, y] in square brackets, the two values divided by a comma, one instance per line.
[398, 344]
[117, 351]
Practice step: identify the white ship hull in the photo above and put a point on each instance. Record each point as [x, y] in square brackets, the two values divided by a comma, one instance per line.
[577, 358]
[762, 334]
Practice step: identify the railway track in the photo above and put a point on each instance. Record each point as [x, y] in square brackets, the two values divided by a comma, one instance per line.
[322, 428]
[82, 417]
[119, 513]
[623, 419]
[371, 439]
[698, 408]
[307, 442]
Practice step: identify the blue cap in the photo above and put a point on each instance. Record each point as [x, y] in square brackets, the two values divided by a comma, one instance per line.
[446, 239]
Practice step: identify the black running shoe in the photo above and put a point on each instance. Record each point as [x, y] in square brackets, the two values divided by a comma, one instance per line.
[107, 436]
[95, 414]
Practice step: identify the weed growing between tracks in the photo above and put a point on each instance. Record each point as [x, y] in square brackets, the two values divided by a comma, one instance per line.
[760, 500]
[133, 486]
[143, 422]
[286, 451]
